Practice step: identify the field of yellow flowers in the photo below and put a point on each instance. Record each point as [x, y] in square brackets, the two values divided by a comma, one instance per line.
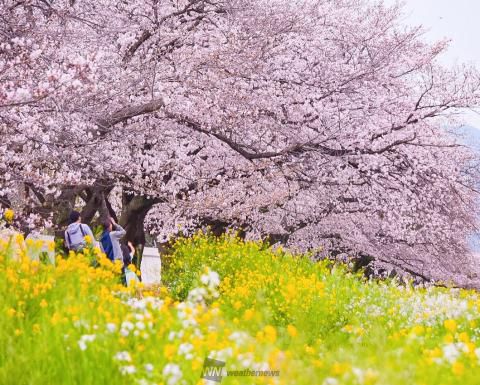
[259, 311]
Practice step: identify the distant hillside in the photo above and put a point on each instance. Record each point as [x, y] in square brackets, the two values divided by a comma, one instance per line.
[471, 138]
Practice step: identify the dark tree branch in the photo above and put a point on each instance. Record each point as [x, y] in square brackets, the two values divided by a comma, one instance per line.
[126, 113]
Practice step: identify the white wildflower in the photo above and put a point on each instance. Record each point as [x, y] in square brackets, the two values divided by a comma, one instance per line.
[111, 327]
[451, 352]
[185, 348]
[211, 279]
[123, 356]
[127, 325]
[129, 369]
[330, 381]
[197, 295]
[173, 373]
[82, 343]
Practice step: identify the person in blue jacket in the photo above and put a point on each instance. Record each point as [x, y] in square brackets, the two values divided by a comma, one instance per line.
[110, 239]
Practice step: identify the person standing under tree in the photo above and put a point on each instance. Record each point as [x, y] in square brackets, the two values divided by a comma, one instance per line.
[128, 276]
[110, 239]
[76, 232]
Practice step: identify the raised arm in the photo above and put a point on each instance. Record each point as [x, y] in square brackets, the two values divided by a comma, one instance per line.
[131, 247]
[118, 231]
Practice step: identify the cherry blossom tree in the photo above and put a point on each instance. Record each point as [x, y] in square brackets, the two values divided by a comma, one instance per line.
[310, 123]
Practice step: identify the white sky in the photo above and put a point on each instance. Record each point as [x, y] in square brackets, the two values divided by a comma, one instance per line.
[458, 20]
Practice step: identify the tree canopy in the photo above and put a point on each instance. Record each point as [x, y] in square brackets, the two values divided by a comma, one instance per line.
[311, 123]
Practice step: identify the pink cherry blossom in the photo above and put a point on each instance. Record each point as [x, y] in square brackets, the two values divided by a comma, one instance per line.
[312, 123]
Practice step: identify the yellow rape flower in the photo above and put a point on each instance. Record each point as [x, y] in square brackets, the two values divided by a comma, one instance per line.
[117, 266]
[371, 376]
[248, 315]
[418, 330]
[471, 348]
[169, 351]
[51, 246]
[348, 328]
[317, 363]
[163, 290]
[448, 338]
[464, 337]
[9, 215]
[292, 331]
[55, 319]
[132, 268]
[309, 349]
[458, 368]
[197, 364]
[450, 325]
[339, 368]
[270, 333]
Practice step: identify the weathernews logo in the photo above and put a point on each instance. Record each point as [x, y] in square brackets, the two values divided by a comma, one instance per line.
[214, 370]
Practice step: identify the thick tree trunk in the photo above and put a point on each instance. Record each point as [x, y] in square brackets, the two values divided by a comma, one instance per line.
[97, 200]
[62, 207]
[94, 203]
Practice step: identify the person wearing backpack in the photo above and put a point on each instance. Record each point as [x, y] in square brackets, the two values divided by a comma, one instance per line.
[76, 232]
[110, 239]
